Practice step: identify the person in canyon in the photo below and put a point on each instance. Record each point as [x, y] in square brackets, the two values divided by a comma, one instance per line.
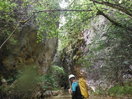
[75, 89]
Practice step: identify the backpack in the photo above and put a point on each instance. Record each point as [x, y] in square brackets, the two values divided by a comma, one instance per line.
[83, 87]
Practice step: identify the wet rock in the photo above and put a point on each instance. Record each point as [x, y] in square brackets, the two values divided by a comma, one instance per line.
[55, 93]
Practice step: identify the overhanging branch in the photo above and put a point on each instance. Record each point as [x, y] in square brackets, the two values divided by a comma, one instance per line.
[113, 21]
[25, 21]
[115, 6]
[64, 10]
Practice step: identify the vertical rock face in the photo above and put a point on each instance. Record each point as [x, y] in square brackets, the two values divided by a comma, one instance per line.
[69, 58]
[98, 28]
[45, 58]
[26, 51]
[103, 50]
[30, 52]
[80, 48]
[96, 32]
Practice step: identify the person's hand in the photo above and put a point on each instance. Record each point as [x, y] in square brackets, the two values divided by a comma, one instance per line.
[70, 91]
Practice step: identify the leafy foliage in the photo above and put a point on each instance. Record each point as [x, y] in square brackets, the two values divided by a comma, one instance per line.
[6, 18]
[53, 79]
[113, 49]
[120, 90]
[48, 22]
[27, 80]
[6, 6]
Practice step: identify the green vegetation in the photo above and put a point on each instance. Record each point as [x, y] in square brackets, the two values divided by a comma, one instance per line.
[53, 79]
[116, 90]
[105, 52]
[120, 90]
[29, 81]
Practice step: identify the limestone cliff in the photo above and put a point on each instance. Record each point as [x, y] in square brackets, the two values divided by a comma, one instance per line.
[25, 50]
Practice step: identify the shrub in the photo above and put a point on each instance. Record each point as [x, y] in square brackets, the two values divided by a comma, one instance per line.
[120, 90]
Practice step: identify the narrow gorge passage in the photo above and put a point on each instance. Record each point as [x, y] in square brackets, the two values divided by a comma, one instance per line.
[49, 47]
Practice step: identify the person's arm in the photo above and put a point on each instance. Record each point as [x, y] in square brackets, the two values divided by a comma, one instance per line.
[70, 91]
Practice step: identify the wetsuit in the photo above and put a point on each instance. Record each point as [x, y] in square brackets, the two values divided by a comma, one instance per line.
[76, 93]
